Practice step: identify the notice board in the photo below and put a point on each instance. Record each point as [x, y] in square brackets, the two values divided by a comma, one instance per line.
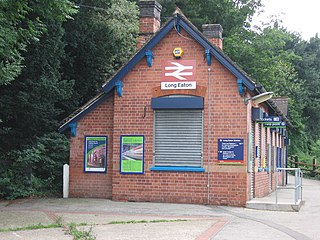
[230, 149]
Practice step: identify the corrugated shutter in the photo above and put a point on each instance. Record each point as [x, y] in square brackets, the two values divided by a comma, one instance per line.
[178, 138]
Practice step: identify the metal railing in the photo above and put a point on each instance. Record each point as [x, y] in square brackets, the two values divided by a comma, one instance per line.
[297, 183]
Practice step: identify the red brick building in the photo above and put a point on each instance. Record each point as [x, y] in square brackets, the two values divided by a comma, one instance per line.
[180, 122]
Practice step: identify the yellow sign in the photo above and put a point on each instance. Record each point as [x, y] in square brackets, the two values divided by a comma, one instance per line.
[177, 52]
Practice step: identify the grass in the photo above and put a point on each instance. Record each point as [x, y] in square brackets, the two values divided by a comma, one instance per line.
[56, 224]
[80, 234]
[146, 221]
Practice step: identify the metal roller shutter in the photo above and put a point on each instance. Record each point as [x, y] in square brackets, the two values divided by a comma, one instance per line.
[178, 138]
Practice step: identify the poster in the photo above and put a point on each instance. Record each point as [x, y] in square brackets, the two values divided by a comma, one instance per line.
[132, 154]
[95, 159]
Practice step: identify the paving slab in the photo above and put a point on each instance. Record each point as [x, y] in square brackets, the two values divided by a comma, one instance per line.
[14, 219]
[189, 230]
[39, 234]
[204, 222]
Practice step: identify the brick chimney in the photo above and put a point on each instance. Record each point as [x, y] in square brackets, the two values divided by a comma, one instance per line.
[214, 34]
[149, 22]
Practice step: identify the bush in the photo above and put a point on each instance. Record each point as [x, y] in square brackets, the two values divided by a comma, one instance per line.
[35, 170]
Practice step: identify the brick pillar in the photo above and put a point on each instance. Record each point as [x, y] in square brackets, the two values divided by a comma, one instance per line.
[214, 34]
[149, 22]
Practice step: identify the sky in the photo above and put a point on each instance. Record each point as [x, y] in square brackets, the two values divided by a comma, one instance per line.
[302, 16]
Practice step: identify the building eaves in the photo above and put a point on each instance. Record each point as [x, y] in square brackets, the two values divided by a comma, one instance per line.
[177, 19]
[80, 112]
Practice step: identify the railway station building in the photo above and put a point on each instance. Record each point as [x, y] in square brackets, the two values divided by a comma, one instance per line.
[180, 122]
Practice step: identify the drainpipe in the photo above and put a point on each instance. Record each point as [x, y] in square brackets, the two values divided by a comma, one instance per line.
[209, 129]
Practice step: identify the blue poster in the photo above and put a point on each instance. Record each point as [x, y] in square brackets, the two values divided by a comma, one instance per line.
[230, 149]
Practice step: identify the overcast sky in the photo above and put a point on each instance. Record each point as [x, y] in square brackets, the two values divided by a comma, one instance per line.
[302, 16]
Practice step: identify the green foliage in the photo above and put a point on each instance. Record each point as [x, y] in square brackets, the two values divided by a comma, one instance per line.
[99, 40]
[34, 103]
[233, 15]
[35, 170]
[56, 224]
[269, 60]
[80, 234]
[147, 221]
[21, 24]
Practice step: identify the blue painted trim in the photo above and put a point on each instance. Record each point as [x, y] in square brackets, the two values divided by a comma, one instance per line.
[177, 169]
[240, 86]
[132, 135]
[139, 55]
[119, 86]
[218, 55]
[177, 103]
[81, 114]
[178, 27]
[149, 57]
[73, 128]
[208, 56]
[85, 154]
[174, 22]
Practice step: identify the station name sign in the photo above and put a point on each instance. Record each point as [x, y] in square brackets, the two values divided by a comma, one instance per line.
[178, 74]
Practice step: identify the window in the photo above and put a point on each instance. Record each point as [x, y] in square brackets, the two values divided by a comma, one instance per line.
[178, 134]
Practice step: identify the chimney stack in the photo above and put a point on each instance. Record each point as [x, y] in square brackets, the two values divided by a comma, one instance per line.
[214, 34]
[149, 22]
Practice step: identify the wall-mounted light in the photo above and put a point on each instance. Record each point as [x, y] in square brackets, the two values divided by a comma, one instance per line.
[259, 98]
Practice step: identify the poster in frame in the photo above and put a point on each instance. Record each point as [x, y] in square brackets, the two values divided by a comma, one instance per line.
[95, 154]
[131, 154]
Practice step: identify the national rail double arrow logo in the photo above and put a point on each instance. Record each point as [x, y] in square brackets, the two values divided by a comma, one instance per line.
[179, 71]
[178, 74]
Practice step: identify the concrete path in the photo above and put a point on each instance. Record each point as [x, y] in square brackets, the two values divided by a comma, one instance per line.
[286, 199]
[161, 221]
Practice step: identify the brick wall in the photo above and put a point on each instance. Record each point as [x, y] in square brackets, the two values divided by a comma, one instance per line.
[97, 122]
[262, 184]
[228, 120]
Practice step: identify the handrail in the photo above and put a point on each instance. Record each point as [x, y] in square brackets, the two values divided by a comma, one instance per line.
[297, 183]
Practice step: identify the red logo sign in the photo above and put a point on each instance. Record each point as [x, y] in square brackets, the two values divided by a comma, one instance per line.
[178, 70]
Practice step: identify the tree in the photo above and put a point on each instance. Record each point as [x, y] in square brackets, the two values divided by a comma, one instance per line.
[268, 55]
[99, 40]
[32, 105]
[308, 68]
[21, 23]
[233, 15]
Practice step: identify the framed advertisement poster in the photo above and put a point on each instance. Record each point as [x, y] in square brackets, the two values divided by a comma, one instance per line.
[95, 154]
[132, 154]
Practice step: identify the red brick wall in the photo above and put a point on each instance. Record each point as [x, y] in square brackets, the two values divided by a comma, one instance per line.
[228, 184]
[97, 122]
[262, 184]
[147, 27]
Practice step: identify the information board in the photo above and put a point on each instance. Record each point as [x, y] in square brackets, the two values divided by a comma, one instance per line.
[132, 154]
[230, 149]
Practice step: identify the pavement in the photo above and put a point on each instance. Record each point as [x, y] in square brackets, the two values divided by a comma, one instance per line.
[285, 199]
[107, 219]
